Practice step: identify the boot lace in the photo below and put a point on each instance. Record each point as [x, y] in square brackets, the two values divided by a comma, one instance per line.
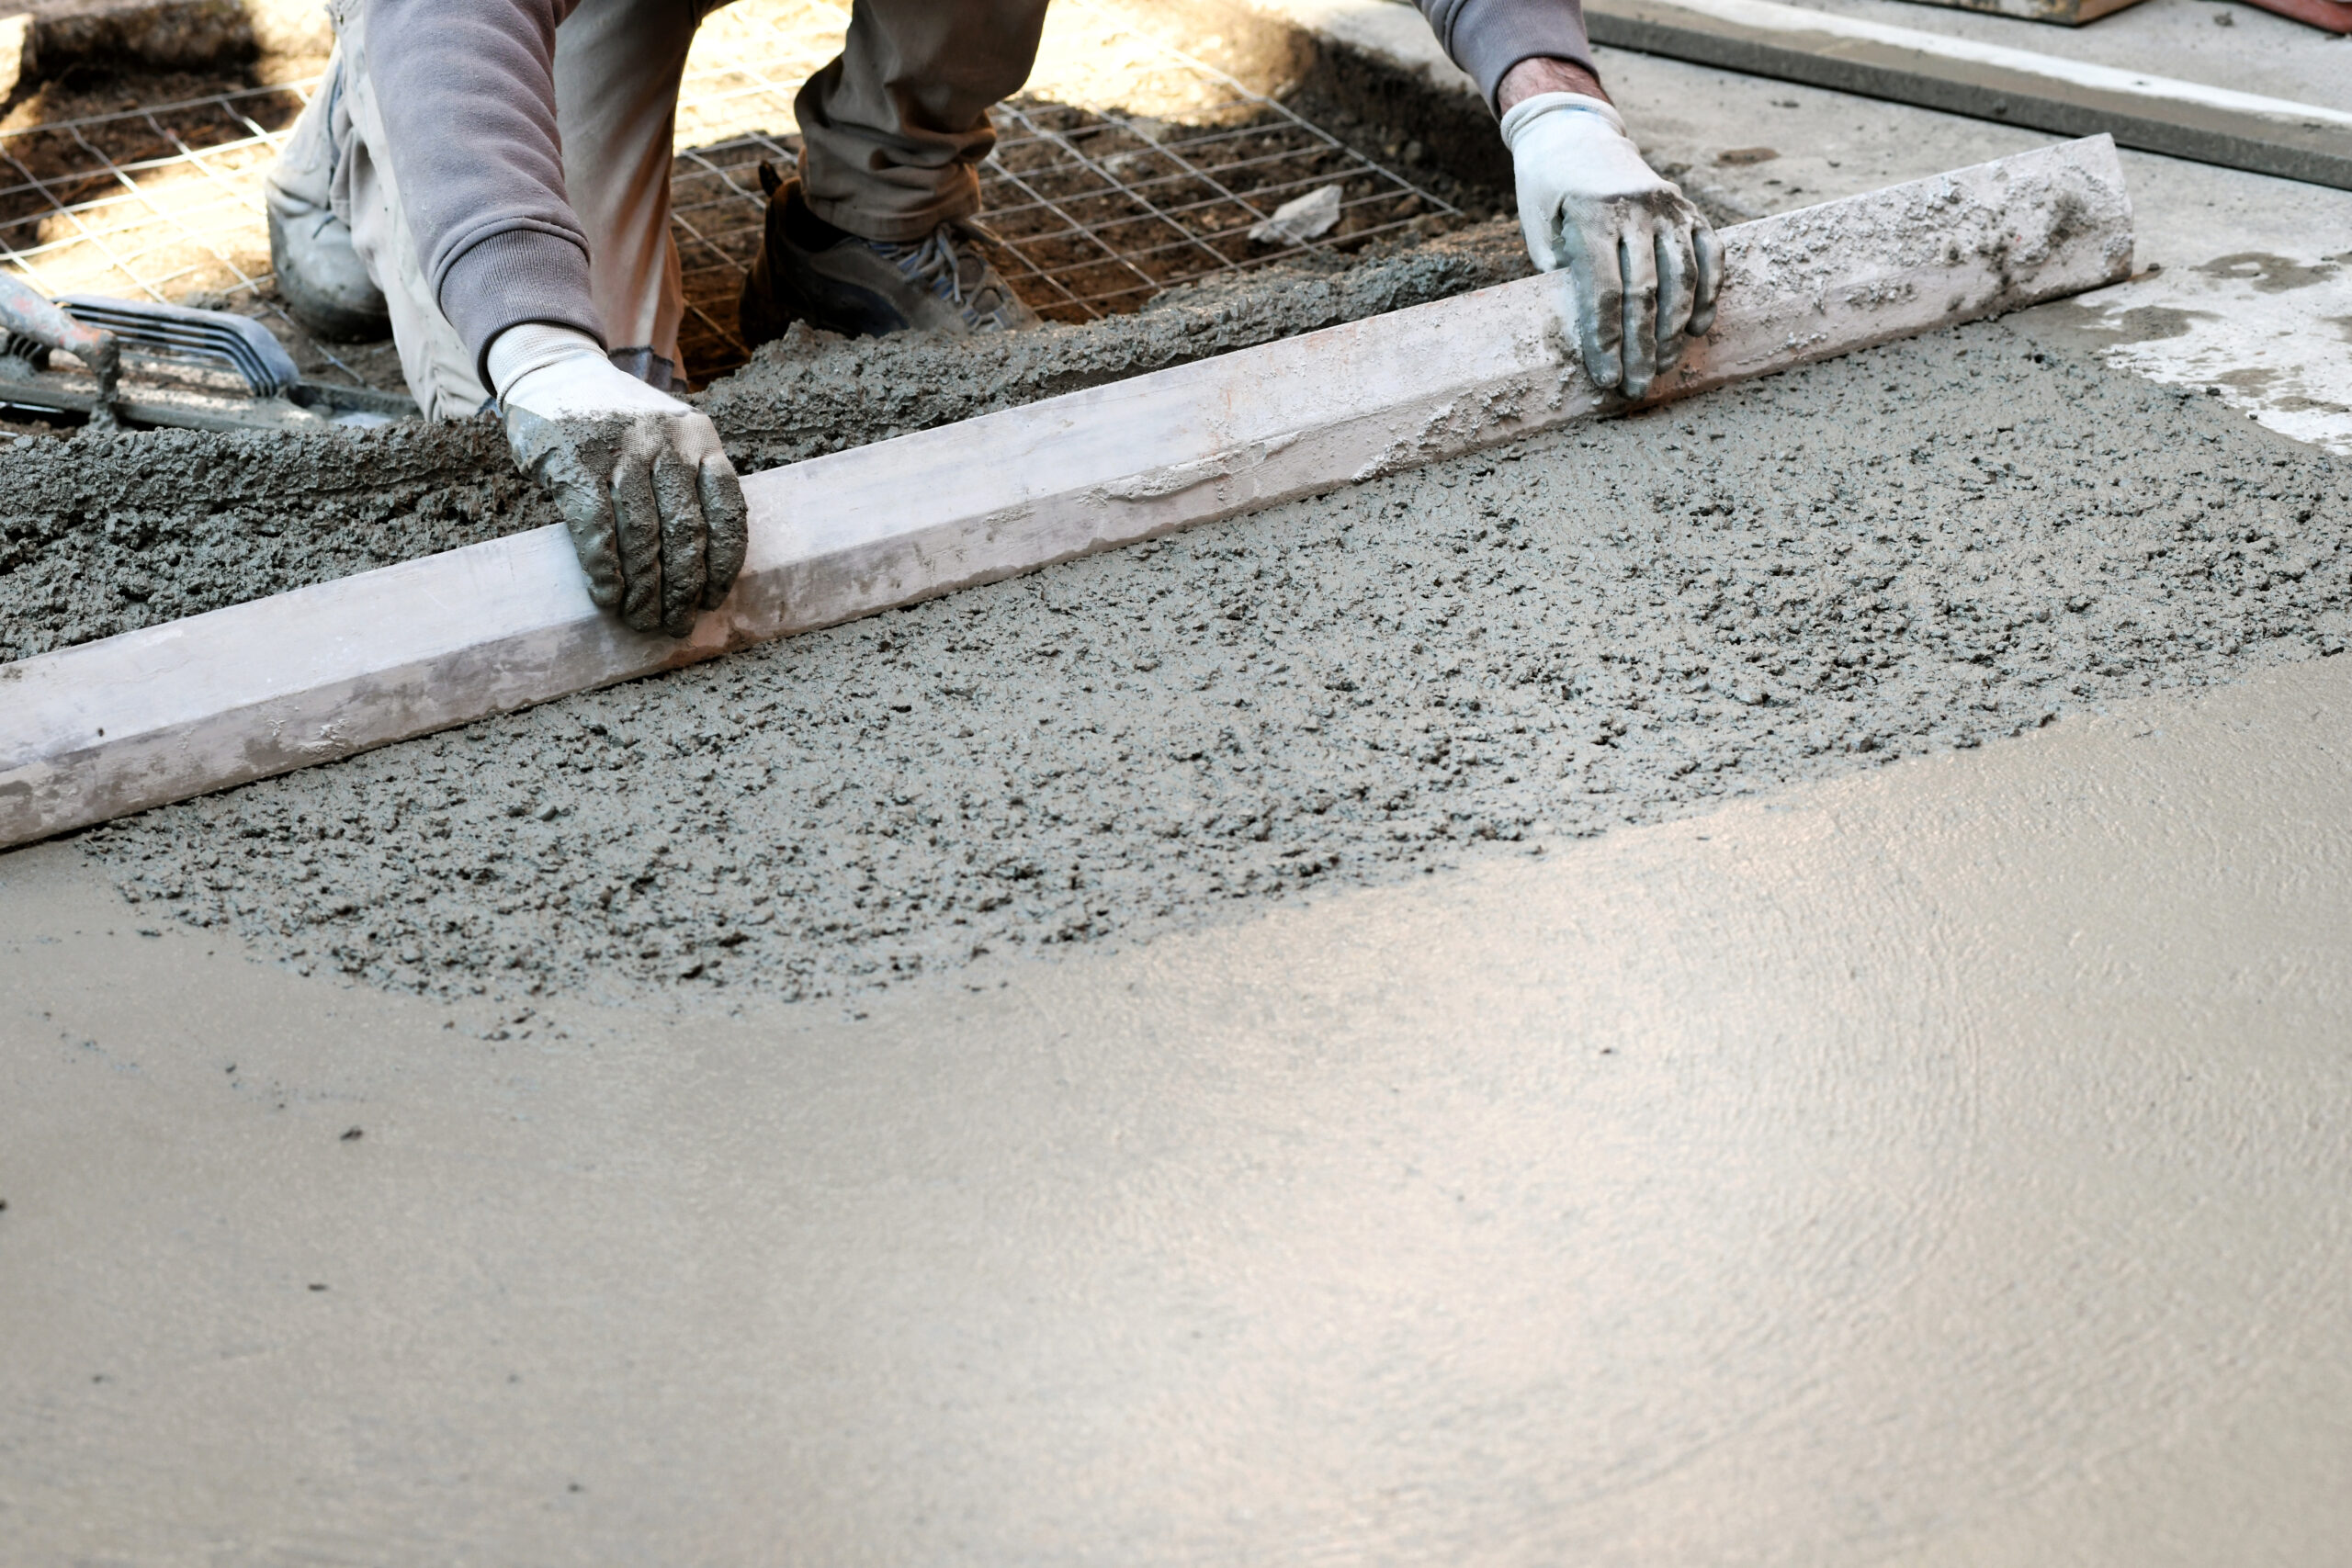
[951, 262]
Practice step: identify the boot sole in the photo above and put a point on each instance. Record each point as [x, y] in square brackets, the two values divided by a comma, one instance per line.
[784, 286]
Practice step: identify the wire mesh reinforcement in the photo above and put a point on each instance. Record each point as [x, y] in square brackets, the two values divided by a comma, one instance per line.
[1129, 167]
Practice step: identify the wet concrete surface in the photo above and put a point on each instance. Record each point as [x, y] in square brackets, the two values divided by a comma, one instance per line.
[1940, 1162]
[1925, 547]
[1947, 1165]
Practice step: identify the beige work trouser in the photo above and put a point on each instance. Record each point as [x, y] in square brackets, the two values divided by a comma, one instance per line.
[893, 130]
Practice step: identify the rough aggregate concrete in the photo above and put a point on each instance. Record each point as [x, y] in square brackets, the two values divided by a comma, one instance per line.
[806, 395]
[107, 532]
[1925, 546]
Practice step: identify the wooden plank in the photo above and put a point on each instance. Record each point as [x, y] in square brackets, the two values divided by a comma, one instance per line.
[2016, 86]
[92, 732]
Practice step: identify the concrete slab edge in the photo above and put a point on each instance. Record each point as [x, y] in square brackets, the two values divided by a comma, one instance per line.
[113, 727]
[2014, 86]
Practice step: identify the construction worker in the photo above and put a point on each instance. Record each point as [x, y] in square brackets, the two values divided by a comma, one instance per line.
[490, 179]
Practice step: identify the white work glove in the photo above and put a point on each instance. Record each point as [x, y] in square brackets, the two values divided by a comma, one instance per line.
[1645, 265]
[654, 507]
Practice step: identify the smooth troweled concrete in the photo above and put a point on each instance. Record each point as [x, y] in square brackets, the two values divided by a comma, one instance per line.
[1949, 1165]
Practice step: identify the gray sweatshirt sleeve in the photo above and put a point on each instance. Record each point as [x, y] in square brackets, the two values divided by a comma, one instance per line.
[1487, 37]
[467, 91]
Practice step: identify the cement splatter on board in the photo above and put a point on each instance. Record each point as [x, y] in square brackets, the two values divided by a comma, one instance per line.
[1925, 546]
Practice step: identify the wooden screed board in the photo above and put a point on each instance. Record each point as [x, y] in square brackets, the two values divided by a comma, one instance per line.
[158, 715]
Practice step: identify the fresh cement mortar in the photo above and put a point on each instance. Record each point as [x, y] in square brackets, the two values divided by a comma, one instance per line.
[1921, 547]
[102, 533]
[806, 395]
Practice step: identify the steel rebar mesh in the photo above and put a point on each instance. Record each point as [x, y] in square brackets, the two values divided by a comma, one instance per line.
[1127, 166]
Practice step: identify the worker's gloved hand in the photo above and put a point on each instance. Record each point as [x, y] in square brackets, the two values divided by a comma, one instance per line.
[1645, 265]
[653, 504]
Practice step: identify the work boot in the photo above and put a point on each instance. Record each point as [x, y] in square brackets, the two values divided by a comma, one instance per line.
[808, 270]
[320, 278]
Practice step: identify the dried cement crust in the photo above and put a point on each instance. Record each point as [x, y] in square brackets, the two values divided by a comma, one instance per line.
[1922, 546]
[2013, 219]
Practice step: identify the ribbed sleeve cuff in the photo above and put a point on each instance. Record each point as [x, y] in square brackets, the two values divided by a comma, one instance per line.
[1489, 37]
[512, 277]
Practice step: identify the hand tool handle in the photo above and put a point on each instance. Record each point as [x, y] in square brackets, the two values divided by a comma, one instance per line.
[25, 313]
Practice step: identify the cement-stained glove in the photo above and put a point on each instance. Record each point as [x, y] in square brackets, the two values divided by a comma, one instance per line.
[1645, 265]
[653, 504]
